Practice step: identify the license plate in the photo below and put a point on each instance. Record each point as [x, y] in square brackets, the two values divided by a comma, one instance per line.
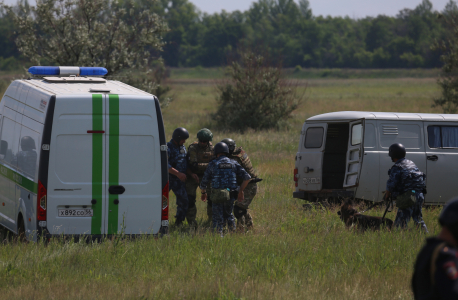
[165, 222]
[75, 213]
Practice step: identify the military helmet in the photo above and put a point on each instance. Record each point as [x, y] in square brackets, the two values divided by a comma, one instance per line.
[230, 143]
[27, 143]
[180, 134]
[205, 135]
[449, 217]
[221, 148]
[397, 151]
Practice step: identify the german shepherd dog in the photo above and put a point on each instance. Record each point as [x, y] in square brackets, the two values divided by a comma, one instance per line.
[350, 216]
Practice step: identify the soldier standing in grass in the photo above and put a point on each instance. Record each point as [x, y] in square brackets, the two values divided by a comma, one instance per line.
[436, 275]
[223, 172]
[200, 153]
[177, 164]
[244, 219]
[406, 184]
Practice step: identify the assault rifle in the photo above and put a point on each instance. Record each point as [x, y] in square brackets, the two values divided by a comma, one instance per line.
[255, 180]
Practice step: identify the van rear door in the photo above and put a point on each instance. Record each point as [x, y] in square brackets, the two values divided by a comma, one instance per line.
[133, 165]
[354, 154]
[76, 179]
[309, 159]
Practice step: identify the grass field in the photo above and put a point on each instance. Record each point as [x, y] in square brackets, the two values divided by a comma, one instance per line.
[292, 253]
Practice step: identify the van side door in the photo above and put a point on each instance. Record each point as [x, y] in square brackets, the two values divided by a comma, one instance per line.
[441, 161]
[309, 159]
[354, 154]
[406, 132]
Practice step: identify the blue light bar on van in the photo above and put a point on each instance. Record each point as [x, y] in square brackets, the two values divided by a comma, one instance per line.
[67, 71]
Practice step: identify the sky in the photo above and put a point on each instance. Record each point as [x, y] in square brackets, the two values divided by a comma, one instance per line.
[353, 8]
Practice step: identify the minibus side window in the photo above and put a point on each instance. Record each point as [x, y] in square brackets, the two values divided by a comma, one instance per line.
[314, 137]
[356, 134]
[443, 136]
[434, 136]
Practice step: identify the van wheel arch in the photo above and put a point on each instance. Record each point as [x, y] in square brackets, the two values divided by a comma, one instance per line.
[20, 228]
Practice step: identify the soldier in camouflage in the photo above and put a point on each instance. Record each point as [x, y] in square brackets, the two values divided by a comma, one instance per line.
[244, 218]
[223, 172]
[200, 153]
[405, 177]
[177, 164]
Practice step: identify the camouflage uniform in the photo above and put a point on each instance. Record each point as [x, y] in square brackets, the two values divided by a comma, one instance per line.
[198, 159]
[177, 159]
[241, 209]
[435, 273]
[223, 172]
[405, 176]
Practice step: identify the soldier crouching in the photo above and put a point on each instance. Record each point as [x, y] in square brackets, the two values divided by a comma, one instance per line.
[223, 172]
[406, 184]
[244, 218]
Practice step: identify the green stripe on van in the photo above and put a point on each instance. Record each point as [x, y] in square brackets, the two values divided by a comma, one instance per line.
[97, 163]
[19, 179]
[113, 163]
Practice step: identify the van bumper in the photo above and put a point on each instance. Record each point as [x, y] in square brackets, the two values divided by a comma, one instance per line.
[323, 194]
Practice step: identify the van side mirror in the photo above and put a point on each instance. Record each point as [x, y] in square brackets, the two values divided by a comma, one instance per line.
[3, 147]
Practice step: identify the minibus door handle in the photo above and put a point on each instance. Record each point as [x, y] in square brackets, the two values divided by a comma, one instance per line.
[432, 157]
[116, 189]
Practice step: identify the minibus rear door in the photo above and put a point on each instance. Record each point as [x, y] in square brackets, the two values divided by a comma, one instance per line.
[354, 154]
[310, 158]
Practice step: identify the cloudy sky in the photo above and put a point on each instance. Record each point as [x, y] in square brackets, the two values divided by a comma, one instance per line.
[351, 8]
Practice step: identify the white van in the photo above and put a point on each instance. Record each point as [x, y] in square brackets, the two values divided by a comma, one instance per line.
[345, 154]
[81, 156]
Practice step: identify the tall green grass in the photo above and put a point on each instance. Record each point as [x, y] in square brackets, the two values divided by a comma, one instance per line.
[291, 254]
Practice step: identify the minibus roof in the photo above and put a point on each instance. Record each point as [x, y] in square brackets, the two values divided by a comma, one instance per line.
[356, 115]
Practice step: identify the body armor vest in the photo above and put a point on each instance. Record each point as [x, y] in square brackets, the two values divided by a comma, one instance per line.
[224, 175]
[200, 157]
[415, 180]
[240, 156]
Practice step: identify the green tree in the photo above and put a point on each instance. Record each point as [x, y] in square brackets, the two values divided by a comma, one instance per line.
[448, 80]
[255, 95]
[107, 33]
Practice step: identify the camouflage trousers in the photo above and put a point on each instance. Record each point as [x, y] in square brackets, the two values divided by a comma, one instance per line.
[191, 190]
[179, 189]
[222, 214]
[244, 218]
[404, 215]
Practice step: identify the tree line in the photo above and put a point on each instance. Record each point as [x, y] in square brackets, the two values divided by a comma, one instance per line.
[289, 32]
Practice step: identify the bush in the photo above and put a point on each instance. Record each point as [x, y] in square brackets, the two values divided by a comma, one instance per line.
[255, 95]
[9, 64]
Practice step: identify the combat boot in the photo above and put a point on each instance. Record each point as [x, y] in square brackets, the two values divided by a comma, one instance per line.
[248, 221]
[241, 224]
